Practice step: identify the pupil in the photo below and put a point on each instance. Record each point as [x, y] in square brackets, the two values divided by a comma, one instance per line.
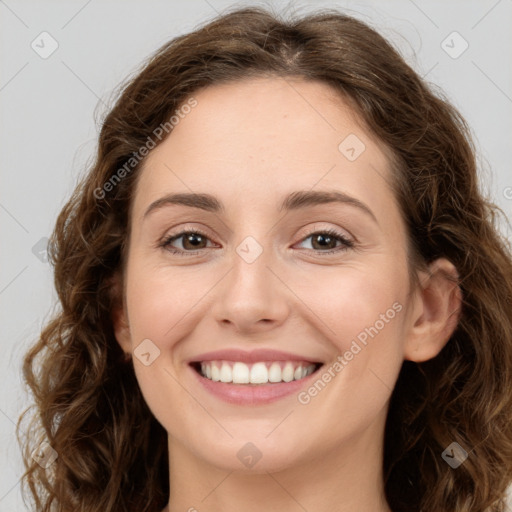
[324, 240]
[190, 239]
[195, 240]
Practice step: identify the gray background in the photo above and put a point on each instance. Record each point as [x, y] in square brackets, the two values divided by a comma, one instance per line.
[48, 125]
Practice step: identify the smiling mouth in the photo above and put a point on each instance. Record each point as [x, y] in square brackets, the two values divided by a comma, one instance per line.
[258, 373]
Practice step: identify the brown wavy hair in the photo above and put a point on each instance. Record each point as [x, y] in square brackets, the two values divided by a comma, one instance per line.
[112, 453]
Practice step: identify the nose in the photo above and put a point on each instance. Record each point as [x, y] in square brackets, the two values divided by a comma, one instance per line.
[251, 297]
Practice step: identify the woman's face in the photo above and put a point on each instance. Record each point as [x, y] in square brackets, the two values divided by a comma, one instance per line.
[263, 292]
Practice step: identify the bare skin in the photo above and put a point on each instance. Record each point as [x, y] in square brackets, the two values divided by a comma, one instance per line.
[250, 144]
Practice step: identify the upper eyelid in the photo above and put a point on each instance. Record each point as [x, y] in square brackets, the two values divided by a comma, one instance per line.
[338, 233]
[343, 231]
[316, 228]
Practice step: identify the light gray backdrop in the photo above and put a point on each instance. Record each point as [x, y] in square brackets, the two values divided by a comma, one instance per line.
[61, 60]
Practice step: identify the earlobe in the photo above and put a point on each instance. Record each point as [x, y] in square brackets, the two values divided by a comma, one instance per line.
[438, 305]
[121, 328]
[119, 317]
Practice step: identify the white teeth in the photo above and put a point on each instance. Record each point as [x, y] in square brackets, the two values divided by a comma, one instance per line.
[226, 373]
[240, 373]
[259, 373]
[274, 373]
[287, 375]
[256, 373]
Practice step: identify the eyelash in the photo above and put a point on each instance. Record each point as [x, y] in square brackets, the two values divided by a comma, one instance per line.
[165, 243]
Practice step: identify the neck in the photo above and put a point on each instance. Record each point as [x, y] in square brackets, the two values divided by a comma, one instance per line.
[348, 479]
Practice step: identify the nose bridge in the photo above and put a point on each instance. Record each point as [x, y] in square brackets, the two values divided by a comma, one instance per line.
[251, 278]
[251, 294]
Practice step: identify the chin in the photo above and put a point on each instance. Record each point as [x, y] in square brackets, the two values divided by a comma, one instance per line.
[258, 456]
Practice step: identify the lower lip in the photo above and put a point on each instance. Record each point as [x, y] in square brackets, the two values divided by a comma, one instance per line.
[252, 394]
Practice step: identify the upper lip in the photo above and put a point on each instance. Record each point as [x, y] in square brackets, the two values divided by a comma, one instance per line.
[250, 357]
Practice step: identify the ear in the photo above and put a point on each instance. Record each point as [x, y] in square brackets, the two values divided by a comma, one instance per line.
[436, 312]
[119, 316]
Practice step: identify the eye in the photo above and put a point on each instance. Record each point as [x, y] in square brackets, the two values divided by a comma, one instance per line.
[191, 241]
[326, 240]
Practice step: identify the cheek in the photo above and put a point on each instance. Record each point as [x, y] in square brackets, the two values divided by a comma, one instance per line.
[340, 307]
[361, 313]
[363, 319]
[160, 309]
[355, 303]
[346, 303]
[159, 302]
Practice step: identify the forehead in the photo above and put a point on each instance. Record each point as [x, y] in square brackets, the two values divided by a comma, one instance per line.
[258, 137]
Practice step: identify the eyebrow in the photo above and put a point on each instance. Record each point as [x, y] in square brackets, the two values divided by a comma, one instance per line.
[294, 201]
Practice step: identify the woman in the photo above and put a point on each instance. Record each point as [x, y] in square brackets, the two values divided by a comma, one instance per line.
[281, 289]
